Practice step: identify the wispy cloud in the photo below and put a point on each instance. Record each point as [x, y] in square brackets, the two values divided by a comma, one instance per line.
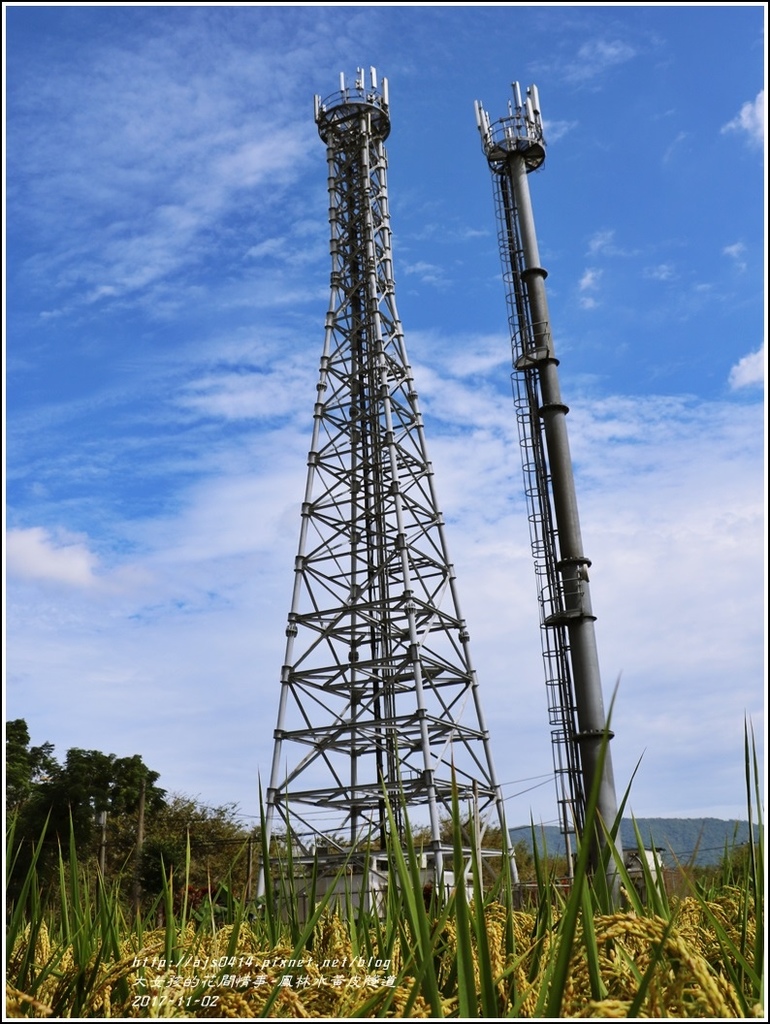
[134, 177]
[428, 273]
[674, 146]
[736, 253]
[555, 130]
[595, 57]
[588, 286]
[750, 121]
[602, 243]
[660, 272]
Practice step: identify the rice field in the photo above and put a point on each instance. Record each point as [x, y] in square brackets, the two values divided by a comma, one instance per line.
[589, 952]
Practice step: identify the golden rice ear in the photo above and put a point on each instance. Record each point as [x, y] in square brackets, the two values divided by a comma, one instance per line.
[19, 1004]
[686, 964]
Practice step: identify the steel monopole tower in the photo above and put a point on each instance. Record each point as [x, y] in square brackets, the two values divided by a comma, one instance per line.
[379, 702]
[514, 147]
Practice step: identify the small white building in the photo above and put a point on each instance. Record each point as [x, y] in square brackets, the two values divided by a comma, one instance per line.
[636, 860]
[354, 881]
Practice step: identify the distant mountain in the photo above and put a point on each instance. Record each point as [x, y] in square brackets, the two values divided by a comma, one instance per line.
[699, 841]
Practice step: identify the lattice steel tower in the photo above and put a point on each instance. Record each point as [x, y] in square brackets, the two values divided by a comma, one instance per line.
[378, 694]
[514, 146]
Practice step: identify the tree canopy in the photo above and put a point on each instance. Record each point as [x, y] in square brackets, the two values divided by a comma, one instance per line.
[98, 797]
[25, 766]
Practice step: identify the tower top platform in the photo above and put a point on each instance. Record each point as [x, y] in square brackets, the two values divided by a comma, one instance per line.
[521, 131]
[338, 116]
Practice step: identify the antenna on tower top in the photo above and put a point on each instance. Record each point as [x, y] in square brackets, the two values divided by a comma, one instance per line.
[521, 131]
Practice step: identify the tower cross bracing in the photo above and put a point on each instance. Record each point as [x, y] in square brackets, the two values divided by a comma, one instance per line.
[379, 701]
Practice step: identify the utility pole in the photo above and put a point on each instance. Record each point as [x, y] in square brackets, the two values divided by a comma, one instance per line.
[137, 885]
[249, 870]
[100, 882]
[514, 147]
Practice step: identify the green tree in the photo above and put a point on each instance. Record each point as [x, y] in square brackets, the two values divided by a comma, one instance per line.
[86, 785]
[217, 843]
[44, 795]
[25, 766]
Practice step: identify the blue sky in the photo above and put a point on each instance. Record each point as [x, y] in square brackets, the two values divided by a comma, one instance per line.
[167, 283]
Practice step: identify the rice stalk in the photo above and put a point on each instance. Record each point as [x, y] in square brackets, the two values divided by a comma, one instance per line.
[699, 955]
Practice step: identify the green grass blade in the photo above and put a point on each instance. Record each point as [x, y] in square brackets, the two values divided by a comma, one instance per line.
[559, 975]
[407, 876]
[487, 982]
[466, 982]
[598, 988]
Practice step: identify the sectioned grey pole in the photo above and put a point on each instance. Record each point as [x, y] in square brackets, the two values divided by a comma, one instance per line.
[573, 564]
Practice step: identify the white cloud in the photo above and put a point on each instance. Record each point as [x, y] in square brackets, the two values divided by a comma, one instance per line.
[749, 371]
[131, 182]
[750, 120]
[221, 562]
[482, 355]
[246, 393]
[270, 247]
[34, 553]
[646, 469]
